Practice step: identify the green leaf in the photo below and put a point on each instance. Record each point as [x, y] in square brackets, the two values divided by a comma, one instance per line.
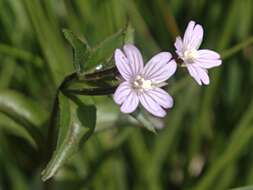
[80, 49]
[86, 59]
[129, 34]
[23, 111]
[104, 51]
[77, 119]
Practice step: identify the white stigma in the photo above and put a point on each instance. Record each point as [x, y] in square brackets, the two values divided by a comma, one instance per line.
[190, 55]
[141, 84]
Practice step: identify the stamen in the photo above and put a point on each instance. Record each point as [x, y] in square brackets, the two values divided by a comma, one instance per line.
[141, 84]
[190, 55]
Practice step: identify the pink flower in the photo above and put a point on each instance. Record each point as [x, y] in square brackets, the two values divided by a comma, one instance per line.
[197, 61]
[143, 83]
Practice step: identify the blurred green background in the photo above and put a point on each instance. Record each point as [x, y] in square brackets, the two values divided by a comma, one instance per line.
[207, 141]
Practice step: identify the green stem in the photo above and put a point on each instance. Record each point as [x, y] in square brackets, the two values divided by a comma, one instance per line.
[230, 52]
[92, 91]
[99, 74]
[89, 77]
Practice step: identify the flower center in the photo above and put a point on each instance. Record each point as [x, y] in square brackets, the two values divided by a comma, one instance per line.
[190, 55]
[141, 84]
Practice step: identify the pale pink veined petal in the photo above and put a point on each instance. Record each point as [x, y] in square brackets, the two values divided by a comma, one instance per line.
[197, 37]
[179, 46]
[169, 70]
[122, 64]
[203, 74]
[208, 54]
[179, 43]
[208, 64]
[135, 58]
[199, 74]
[188, 32]
[208, 59]
[160, 67]
[193, 35]
[130, 104]
[161, 97]
[194, 73]
[122, 92]
[151, 105]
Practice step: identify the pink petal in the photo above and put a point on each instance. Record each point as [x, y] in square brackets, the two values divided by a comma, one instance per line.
[193, 35]
[179, 43]
[188, 32]
[208, 64]
[197, 37]
[122, 92]
[130, 104]
[194, 73]
[199, 74]
[208, 54]
[208, 59]
[203, 75]
[135, 58]
[160, 67]
[122, 64]
[161, 97]
[168, 70]
[151, 105]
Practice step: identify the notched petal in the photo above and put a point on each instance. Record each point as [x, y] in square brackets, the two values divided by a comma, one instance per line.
[135, 58]
[178, 43]
[208, 54]
[208, 59]
[193, 36]
[151, 105]
[161, 97]
[194, 73]
[121, 93]
[160, 67]
[130, 104]
[188, 32]
[122, 64]
[197, 37]
[203, 74]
